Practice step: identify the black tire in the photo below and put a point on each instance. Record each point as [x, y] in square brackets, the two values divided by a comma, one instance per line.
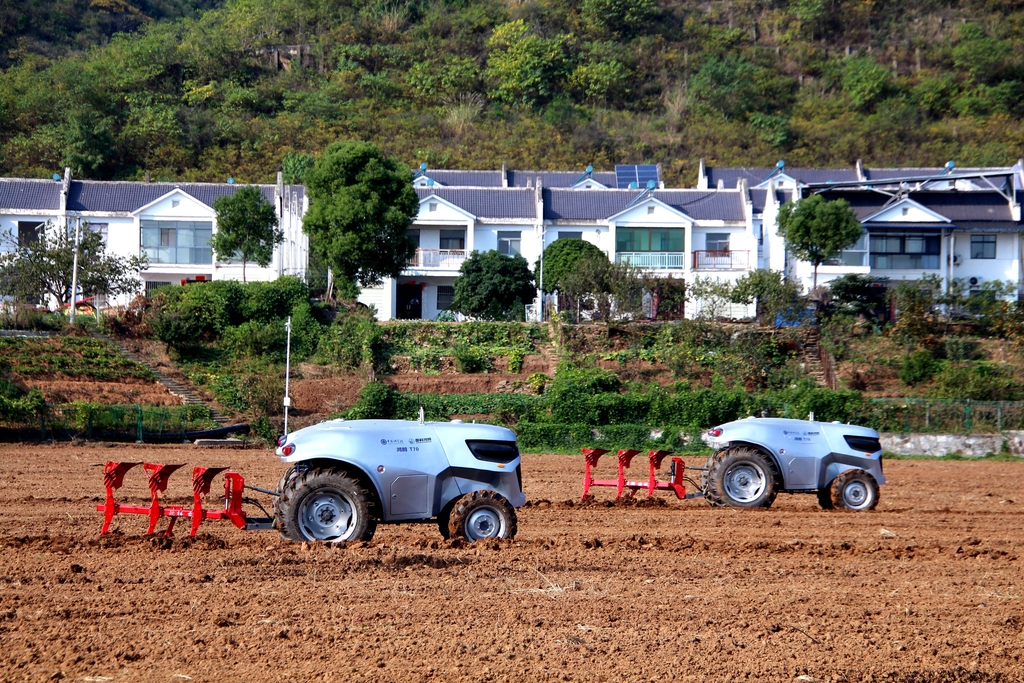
[482, 515]
[325, 505]
[854, 490]
[709, 493]
[443, 518]
[286, 477]
[743, 477]
[825, 498]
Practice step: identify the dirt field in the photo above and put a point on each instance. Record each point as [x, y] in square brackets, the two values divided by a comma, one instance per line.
[927, 588]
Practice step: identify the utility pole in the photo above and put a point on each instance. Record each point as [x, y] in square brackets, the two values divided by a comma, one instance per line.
[287, 371]
[74, 269]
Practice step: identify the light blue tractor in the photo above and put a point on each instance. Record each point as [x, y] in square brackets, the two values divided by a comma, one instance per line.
[758, 458]
[346, 477]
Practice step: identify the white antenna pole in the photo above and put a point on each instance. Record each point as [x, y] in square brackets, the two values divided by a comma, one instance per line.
[287, 371]
[74, 269]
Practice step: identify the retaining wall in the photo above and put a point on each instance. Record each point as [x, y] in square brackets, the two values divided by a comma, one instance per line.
[968, 445]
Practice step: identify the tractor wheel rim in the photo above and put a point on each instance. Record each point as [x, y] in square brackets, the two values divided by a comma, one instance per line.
[326, 516]
[856, 495]
[745, 482]
[484, 523]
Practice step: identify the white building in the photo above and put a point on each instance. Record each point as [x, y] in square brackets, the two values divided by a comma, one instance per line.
[171, 223]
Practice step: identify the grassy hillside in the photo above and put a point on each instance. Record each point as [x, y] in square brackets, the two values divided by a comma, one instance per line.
[535, 83]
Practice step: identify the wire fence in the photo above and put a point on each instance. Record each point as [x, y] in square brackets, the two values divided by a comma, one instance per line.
[108, 423]
[947, 416]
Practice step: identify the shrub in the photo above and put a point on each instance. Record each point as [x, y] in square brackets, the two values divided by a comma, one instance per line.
[982, 382]
[918, 367]
[378, 401]
[355, 341]
[256, 339]
[470, 359]
[960, 349]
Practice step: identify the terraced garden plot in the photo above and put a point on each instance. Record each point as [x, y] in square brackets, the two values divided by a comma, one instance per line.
[69, 358]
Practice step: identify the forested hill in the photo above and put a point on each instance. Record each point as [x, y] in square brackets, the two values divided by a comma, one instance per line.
[248, 86]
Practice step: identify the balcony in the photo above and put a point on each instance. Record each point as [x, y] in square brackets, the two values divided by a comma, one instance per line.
[444, 259]
[179, 255]
[721, 260]
[654, 260]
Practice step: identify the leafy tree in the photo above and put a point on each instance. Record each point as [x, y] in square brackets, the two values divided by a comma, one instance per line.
[562, 257]
[294, 167]
[361, 206]
[981, 56]
[246, 227]
[854, 294]
[865, 81]
[41, 269]
[735, 87]
[618, 17]
[816, 230]
[773, 293]
[492, 286]
[523, 65]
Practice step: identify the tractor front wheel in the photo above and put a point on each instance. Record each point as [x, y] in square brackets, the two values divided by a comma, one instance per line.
[482, 514]
[325, 505]
[742, 477]
[854, 490]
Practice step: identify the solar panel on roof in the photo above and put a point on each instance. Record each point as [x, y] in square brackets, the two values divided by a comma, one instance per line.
[624, 175]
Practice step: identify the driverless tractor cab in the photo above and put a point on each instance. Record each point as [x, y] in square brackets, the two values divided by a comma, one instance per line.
[345, 477]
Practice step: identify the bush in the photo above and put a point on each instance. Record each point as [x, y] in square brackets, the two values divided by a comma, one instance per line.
[470, 359]
[355, 341]
[378, 401]
[960, 349]
[255, 339]
[982, 382]
[918, 367]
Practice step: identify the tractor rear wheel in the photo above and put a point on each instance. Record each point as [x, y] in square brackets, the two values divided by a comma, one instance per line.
[705, 484]
[854, 490]
[482, 515]
[742, 477]
[325, 505]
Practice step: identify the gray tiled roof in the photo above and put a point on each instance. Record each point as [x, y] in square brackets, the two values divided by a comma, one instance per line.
[759, 198]
[487, 202]
[698, 204]
[888, 173]
[557, 178]
[456, 178]
[957, 206]
[756, 176]
[91, 195]
[20, 193]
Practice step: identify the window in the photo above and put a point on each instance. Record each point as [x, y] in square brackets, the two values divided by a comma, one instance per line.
[650, 210]
[175, 203]
[717, 241]
[414, 237]
[913, 251]
[153, 284]
[509, 242]
[432, 206]
[983, 246]
[453, 239]
[177, 241]
[649, 239]
[566, 235]
[101, 228]
[445, 296]
[856, 255]
[29, 232]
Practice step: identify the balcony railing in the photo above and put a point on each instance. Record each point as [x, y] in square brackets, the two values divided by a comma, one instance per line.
[191, 255]
[721, 260]
[438, 258]
[652, 259]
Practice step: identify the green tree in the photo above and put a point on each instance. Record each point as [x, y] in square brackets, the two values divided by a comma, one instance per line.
[865, 81]
[524, 66]
[773, 293]
[246, 228]
[984, 58]
[561, 257]
[361, 206]
[37, 270]
[618, 17]
[492, 286]
[816, 230]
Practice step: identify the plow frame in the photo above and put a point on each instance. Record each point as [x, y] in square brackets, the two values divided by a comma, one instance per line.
[157, 476]
[624, 458]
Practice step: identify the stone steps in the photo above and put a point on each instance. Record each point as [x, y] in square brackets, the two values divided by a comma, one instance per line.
[186, 394]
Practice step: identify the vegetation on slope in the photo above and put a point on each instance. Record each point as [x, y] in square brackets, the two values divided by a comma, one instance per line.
[535, 83]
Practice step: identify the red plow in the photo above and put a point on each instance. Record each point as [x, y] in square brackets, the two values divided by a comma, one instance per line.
[624, 457]
[202, 480]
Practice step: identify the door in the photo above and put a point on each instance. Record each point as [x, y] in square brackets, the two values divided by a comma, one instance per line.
[410, 302]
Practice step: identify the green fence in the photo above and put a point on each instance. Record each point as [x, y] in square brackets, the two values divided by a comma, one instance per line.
[942, 416]
[109, 423]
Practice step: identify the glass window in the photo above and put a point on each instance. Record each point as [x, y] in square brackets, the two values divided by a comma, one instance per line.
[453, 239]
[445, 295]
[905, 251]
[177, 241]
[649, 239]
[717, 241]
[29, 232]
[856, 255]
[414, 237]
[983, 246]
[509, 243]
[566, 235]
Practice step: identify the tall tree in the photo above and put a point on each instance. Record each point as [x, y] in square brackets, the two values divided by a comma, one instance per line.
[562, 257]
[40, 269]
[246, 227]
[816, 230]
[361, 206]
[493, 286]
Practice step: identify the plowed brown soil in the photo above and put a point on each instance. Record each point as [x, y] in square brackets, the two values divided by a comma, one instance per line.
[930, 587]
